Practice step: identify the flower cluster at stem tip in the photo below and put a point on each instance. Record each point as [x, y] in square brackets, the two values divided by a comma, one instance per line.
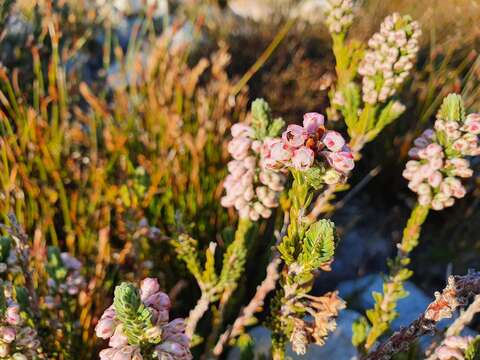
[303, 147]
[339, 15]
[167, 338]
[439, 161]
[17, 340]
[390, 57]
[252, 189]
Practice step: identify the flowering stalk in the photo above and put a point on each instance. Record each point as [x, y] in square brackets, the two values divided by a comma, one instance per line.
[384, 66]
[137, 325]
[439, 160]
[315, 157]
[252, 190]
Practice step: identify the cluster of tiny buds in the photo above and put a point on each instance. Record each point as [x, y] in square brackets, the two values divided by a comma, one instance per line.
[301, 147]
[168, 338]
[74, 281]
[252, 189]
[390, 57]
[17, 341]
[452, 347]
[438, 164]
[339, 15]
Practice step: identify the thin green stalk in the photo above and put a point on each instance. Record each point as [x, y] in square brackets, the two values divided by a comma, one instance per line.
[383, 313]
[289, 248]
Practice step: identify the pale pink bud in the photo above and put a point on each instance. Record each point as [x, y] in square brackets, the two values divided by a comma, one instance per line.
[333, 141]
[241, 130]
[280, 152]
[461, 145]
[13, 314]
[313, 121]
[294, 136]
[424, 200]
[472, 124]
[176, 350]
[435, 179]
[118, 339]
[159, 301]
[107, 354]
[175, 326]
[437, 204]
[238, 147]
[227, 201]
[423, 189]
[7, 334]
[303, 158]
[105, 328]
[341, 161]
[253, 215]
[159, 317]
[148, 287]
[257, 146]
[434, 150]
[236, 168]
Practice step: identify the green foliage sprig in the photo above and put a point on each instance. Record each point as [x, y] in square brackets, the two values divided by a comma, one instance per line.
[135, 318]
[219, 286]
[305, 248]
[366, 332]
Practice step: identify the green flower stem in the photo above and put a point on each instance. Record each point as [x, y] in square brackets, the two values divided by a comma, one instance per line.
[383, 313]
[232, 269]
[301, 197]
[212, 288]
[235, 257]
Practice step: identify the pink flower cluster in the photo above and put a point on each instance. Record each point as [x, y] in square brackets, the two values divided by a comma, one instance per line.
[301, 146]
[173, 344]
[252, 189]
[453, 347]
[439, 161]
[389, 58]
[17, 341]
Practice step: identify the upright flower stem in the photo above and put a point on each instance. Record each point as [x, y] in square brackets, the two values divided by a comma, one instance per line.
[384, 311]
[232, 268]
[300, 197]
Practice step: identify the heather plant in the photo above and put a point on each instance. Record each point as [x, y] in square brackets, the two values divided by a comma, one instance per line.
[383, 66]
[151, 165]
[253, 190]
[441, 160]
[137, 325]
[315, 157]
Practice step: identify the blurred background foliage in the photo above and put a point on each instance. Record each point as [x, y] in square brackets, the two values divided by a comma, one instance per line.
[114, 126]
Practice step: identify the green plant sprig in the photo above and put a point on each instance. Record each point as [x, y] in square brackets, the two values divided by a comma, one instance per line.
[305, 248]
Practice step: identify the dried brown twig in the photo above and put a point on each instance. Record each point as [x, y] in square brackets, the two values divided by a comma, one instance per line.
[455, 294]
[267, 285]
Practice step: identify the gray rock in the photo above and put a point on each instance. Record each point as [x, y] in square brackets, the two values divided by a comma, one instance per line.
[338, 345]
